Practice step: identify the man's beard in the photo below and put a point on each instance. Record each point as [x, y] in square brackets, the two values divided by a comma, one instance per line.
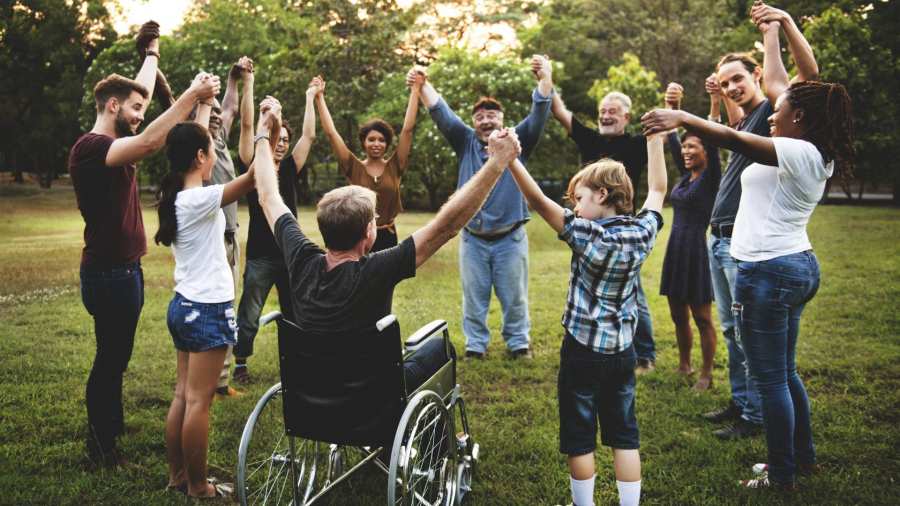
[123, 127]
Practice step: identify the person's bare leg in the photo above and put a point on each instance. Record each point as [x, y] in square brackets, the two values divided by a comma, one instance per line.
[683, 334]
[703, 318]
[581, 472]
[628, 475]
[203, 373]
[174, 421]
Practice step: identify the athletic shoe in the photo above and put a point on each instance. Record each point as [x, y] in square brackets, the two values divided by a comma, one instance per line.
[728, 413]
[739, 430]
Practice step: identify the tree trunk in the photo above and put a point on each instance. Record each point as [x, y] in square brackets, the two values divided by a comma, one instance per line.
[896, 189]
[862, 187]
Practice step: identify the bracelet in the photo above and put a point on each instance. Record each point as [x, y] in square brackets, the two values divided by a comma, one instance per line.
[716, 119]
[151, 52]
[260, 137]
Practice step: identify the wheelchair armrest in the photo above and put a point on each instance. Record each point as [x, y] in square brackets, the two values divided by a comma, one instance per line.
[385, 322]
[269, 317]
[429, 330]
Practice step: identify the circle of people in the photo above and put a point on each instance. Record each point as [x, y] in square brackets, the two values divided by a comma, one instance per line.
[786, 137]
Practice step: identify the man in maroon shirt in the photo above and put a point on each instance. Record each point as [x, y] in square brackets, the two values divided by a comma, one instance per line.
[102, 166]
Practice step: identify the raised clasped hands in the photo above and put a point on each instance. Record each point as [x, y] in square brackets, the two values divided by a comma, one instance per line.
[674, 94]
[541, 66]
[416, 77]
[712, 85]
[147, 38]
[661, 120]
[205, 86]
[316, 87]
[242, 68]
[503, 144]
[767, 18]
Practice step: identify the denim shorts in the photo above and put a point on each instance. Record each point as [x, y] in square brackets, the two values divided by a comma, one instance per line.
[596, 388]
[196, 326]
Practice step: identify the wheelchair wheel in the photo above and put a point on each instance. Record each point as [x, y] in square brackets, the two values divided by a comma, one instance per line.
[264, 456]
[423, 465]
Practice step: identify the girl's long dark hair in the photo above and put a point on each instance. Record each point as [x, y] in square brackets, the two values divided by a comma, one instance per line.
[182, 144]
[828, 118]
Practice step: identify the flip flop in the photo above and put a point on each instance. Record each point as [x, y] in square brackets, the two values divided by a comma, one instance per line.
[222, 490]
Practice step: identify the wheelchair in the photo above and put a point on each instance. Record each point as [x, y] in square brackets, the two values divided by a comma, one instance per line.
[343, 403]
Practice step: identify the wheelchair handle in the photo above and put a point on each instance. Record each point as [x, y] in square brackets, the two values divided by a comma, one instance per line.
[385, 322]
[269, 318]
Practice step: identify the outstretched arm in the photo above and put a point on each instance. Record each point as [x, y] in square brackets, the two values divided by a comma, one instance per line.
[245, 143]
[758, 148]
[238, 187]
[264, 165]
[341, 151]
[807, 68]
[775, 76]
[301, 149]
[656, 174]
[531, 128]
[147, 43]
[230, 100]
[545, 206]
[561, 112]
[462, 205]
[404, 143]
[126, 150]
[204, 109]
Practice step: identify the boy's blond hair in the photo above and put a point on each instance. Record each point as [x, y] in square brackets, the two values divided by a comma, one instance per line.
[609, 174]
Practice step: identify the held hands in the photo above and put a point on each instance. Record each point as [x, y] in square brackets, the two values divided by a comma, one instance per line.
[416, 77]
[242, 68]
[205, 86]
[768, 18]
[712, 86]
[269, 117]
[147, 38]
[674, 93]
[316, 87]
[504, 145]
[661, 120]
[541, 67]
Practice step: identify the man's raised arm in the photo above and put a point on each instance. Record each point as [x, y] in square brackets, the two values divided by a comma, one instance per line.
[503, 147]
[447, 121]
[245, 142]
[268, 127]
[147, 44]
[531, 128]
[126, 150]
[561, 112]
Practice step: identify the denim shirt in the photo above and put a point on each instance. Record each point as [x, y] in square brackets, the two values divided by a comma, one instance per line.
[505, 206]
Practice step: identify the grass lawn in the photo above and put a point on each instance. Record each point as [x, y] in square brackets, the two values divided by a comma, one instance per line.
[848, 355]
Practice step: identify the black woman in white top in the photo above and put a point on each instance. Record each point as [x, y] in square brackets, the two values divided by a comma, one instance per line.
[811, 137]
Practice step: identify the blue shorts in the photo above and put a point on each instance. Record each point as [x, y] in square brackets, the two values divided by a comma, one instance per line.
[596, 388]
[196, 326]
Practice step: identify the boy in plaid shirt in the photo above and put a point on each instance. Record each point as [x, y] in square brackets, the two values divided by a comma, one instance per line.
[597, 359]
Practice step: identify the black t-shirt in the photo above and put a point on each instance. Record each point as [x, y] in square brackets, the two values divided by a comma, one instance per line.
[629, 149]
[260, 241]
[729, 196]
[354, 295]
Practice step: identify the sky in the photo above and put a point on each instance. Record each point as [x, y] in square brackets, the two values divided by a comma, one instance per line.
[168, 13]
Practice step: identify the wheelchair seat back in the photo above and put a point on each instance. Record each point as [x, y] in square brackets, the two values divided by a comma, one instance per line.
[342, 388]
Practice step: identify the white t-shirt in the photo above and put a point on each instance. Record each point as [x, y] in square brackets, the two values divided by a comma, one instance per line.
[202, 273]
[776, 202]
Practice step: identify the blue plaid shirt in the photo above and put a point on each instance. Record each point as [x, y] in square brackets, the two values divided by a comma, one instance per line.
[601, 307]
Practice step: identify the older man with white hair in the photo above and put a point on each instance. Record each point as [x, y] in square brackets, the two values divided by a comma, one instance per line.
[610, 140]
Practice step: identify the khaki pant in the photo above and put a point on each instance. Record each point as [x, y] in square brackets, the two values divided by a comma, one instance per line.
[233, 253]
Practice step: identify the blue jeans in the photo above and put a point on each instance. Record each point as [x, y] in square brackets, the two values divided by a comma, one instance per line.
[744, 392]
[643, 334]
[259, 276]
[114, 296]
[769, 299]
[503, 266]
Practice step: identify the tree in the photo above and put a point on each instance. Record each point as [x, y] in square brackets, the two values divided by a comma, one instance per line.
[846, 54]
[634, 80]
[45, 48]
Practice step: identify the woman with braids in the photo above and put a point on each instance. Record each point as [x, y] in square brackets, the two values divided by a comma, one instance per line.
[778, 273]
[201, 315]
[376, 171]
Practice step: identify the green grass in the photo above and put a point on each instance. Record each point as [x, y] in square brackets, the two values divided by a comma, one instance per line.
[849, 356]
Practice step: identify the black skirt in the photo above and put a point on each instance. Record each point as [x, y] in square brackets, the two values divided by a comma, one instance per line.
[685, 272]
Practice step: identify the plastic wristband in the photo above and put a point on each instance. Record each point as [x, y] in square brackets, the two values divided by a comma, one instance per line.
[716, 119]
[260, 137]
[151, 52]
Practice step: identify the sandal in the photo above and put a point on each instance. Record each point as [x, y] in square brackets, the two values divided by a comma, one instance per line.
[762, 481]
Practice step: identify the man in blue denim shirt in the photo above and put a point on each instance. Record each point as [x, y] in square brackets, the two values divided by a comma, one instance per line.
[493, 251]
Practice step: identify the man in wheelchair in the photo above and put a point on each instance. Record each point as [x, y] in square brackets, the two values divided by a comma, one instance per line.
[345, 288]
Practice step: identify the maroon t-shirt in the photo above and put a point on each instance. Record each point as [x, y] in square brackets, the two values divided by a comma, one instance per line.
[109, 203]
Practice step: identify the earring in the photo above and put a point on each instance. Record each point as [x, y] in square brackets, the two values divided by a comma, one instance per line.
[796, 121]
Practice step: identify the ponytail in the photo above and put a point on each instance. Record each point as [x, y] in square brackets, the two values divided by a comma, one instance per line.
[182, 144]
[828, 121]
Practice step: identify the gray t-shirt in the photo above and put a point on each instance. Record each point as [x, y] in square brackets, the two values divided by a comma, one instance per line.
[729, 196]
[223, 173]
